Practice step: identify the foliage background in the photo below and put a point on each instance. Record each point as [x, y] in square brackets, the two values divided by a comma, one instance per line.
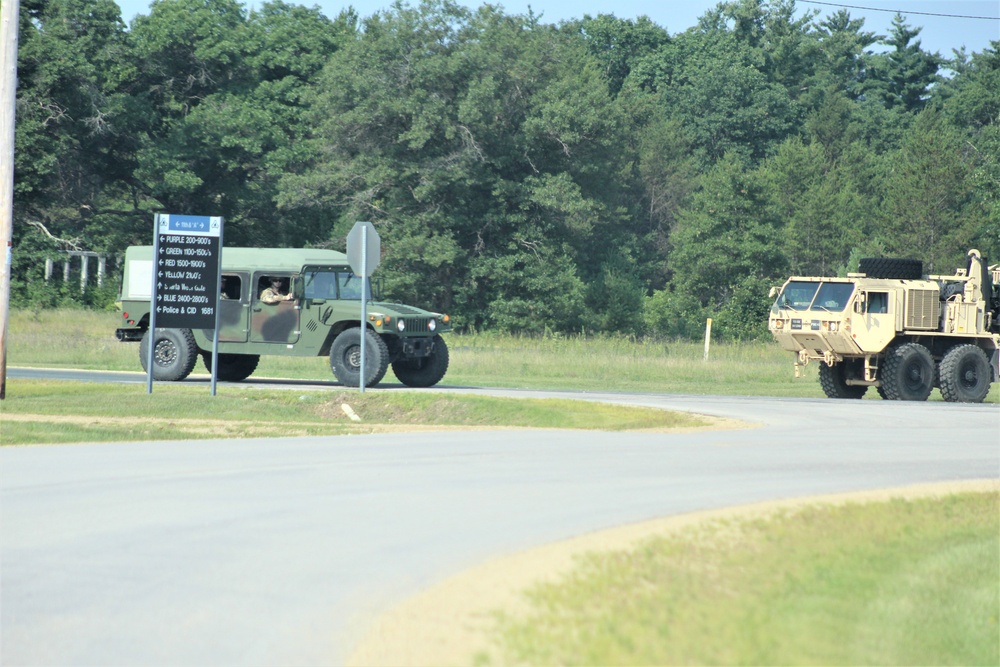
[596, 175]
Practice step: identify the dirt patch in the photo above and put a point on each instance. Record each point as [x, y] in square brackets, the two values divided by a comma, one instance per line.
[337, 424]
[179, 428]
[450, 623]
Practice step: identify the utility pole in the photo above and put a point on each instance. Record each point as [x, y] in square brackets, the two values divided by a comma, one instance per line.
[9, 10]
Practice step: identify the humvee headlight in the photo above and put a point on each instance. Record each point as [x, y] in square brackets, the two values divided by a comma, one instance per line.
[432, 325]
[834, 326]
[401, 325]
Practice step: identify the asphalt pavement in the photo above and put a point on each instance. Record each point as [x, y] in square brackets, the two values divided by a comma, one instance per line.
[275, 551]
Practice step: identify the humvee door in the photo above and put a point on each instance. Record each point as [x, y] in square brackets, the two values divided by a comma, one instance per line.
[273, 323]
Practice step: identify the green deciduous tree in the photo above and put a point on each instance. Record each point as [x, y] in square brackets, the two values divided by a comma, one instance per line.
[929, 206]
[491, 135]
[725, 237]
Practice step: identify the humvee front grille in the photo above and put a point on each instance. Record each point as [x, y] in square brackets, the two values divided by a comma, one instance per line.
[922, 309]
[416, 325]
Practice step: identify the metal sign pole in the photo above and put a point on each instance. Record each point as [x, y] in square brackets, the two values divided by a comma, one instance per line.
[151, 332]
[364, 303]
[218, 309]
[361, 240]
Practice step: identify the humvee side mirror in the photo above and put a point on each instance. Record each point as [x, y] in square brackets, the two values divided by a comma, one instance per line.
[859, 303]
[298, 286]
[772, 293]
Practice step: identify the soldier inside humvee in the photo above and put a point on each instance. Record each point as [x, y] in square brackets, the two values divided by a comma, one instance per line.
[276, 293]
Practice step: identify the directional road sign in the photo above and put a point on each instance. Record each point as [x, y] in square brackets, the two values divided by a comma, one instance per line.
[186, 288]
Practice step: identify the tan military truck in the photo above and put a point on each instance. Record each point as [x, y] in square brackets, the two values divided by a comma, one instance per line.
[892, 328]
[319, 315]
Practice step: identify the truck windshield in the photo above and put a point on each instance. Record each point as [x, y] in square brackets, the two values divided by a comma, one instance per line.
[797, 295]
[833, 297]
[331, 284]
[802, 295]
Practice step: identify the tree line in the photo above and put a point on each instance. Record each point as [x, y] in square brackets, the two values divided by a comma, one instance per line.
[595, 175]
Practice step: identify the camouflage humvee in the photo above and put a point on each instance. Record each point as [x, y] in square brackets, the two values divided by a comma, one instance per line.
[320, 319]
[892, 328]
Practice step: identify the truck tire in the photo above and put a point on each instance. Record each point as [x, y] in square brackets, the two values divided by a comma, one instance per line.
[891, 268]
[965, 375]
[174, 354]
[232, 367]
[907, 374]
[345, 358]
[424, 372]
[833, 380]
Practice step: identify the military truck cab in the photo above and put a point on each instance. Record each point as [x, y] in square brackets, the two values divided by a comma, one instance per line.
[288, 302]
[891, 328]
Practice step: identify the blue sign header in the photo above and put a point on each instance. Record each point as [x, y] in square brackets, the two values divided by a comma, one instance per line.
[189, 225]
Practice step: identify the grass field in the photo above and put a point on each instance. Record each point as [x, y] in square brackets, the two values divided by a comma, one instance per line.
[907, 582]
[85, 340]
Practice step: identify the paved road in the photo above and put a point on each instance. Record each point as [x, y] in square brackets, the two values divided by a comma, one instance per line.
[271, 551]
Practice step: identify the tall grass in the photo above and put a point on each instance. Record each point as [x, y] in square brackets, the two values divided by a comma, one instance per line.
[626, 364]
[85, 339]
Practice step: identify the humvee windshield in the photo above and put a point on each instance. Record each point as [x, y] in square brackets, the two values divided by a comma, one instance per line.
[330, 284]
[802, 295]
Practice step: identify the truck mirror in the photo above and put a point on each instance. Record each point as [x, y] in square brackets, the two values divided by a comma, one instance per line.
[772, 293]
[298, 286]
[859, 303]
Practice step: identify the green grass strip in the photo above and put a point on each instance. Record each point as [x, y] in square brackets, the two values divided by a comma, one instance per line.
[38, 411]
[913, 582]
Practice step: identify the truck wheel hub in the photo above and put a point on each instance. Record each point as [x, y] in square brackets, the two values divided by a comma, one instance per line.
[165, 353]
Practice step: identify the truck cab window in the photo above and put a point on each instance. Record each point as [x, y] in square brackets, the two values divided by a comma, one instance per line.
[231, 287]
[878, 302]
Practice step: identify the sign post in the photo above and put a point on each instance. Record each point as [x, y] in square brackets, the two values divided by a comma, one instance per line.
[187, 271]
[364, 252]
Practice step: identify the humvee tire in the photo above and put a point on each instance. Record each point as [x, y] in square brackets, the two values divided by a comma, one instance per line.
[345, 358]
[832, 379]
[174, 354]
[907, 373]
[232, 367]
[891, 268]
[425, 372]
[965, 375]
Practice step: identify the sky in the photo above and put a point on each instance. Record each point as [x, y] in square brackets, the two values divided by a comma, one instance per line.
[939, 33]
